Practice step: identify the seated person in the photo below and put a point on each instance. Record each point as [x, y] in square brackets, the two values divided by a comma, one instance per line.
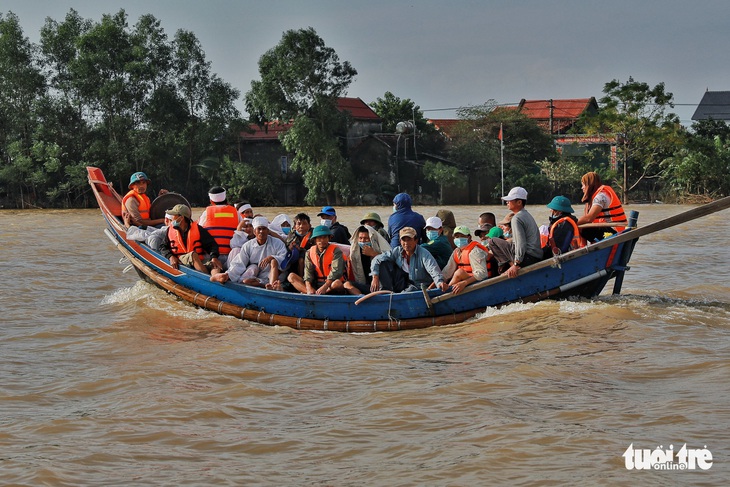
[280, 227]
[602, 206]
[469, 262]
[449, 223]
[366, 244]
[487, 218]
[136, 204]
[220, 219]
[298, 242]
[324, 266]
[189, 244]
[244, 233]
[373, 219]
[257, 264]
[438, 244]
[564, 234]
[340, 233]
[406, 267]
[506, 225]
[245, 210]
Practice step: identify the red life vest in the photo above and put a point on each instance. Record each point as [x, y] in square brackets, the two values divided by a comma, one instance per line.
[144, 203]
[324, 266]
[462, 259]
[221, 221]
[178, 247]
[576, 242]
[615, 212]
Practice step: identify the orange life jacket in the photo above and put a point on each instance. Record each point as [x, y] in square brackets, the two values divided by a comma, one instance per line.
[576, 242]
[221, 221]
[144, 203]
[462, 259]
[324, 266]
[615, 212]
[178, 247]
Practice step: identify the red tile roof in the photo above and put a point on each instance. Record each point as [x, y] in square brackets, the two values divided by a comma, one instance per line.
[444, 125]
[269, 132]
[357, 108]
[564, 112]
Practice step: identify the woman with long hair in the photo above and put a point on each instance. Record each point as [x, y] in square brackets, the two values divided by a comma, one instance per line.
[602, 205]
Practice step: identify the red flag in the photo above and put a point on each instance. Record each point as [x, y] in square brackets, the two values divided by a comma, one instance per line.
[500, 133]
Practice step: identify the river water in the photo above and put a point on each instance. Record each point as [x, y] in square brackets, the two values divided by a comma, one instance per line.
[106, 380]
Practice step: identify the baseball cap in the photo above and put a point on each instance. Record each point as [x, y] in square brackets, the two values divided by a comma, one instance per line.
[516, 193]
[434, 222]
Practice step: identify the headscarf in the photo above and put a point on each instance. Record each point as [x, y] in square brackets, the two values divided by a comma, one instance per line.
[448, 221]
[275, 225]
[592, 182]
[378, 243]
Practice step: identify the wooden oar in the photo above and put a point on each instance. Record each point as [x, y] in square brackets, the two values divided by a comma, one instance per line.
[689, 215]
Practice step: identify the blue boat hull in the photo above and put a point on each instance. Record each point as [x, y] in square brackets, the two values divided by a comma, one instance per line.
[583, 272]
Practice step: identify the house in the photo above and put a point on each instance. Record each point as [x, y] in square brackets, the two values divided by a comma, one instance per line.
[714, 105]
[556, 116]
[260, 145]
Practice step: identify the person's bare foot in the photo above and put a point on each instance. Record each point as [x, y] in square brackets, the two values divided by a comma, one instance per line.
[275, 286]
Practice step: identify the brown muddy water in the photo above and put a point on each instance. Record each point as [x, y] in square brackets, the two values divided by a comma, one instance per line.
[106, 380]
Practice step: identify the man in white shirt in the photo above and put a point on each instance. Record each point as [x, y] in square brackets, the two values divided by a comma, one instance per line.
[258, 262]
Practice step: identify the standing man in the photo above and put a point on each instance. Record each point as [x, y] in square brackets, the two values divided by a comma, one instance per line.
[340, 233]
[221, 220]
[136, 204]
[403, 216]
[525, 232]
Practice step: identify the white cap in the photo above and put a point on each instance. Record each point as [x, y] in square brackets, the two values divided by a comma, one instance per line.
[516, 193]
[434, 222]
[260, 221]
[217, 197]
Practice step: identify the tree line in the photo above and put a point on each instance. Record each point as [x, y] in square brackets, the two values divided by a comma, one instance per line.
[129, 98]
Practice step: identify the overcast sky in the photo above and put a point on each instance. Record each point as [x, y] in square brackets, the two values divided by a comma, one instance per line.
[445, 54]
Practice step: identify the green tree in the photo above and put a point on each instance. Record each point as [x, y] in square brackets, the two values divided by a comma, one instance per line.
[393, 110]
[442, 174]
[476, 147]
[21, 84]
[646, 132]
[301, 79]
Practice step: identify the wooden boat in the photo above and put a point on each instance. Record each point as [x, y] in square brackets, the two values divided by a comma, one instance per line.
[583, 272]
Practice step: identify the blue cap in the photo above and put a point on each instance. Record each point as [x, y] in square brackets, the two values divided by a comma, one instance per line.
[327, 210]
[136, 177]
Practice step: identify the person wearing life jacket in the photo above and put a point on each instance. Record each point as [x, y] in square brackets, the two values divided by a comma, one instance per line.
[297, 243]
[468, 263]
[563, 232]
[258, 262]
[324, 266]
[189, 244]
[602, 205]
[136, 204]
[221, 220]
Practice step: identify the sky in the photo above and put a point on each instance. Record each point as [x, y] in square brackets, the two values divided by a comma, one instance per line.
[448, 54]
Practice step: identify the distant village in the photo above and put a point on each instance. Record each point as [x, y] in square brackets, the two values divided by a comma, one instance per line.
[394, 159]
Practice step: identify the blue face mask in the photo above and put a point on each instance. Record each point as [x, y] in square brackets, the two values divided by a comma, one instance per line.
[364, 244]
[461, 242]
[395, 208]
[507, 234]
[175, 223]
[286, 230]
[326, 223]
[432, 234]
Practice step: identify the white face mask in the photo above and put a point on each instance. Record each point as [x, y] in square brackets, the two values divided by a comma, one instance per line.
[326, 223]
